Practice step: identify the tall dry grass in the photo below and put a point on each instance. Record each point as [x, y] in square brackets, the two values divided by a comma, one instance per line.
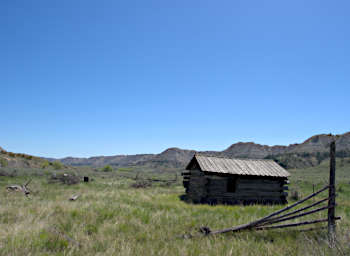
[111, 218]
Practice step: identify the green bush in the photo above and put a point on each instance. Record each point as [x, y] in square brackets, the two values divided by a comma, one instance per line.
[57, 165]
[29, 157]
[45, 164]
[3, 162]
[107, 168]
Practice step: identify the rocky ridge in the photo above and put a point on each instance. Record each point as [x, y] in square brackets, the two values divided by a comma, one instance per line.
[311, 150]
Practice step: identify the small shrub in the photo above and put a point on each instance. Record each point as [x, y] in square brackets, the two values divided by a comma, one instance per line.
[57, 165]
[3, 162]
[107, 168]
[3, 173]
[45, 164]
[141, 184]
[29, 157]
[91, 229]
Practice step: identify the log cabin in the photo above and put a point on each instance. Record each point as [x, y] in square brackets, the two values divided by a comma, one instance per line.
[218, 180]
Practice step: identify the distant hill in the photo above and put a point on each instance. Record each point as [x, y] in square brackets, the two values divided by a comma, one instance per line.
[309, 153]
[9, 159]
[170, 158]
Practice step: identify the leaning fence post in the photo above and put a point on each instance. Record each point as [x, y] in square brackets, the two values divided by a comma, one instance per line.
[331, 202]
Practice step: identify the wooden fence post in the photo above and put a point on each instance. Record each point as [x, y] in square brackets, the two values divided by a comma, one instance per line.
[331, 202]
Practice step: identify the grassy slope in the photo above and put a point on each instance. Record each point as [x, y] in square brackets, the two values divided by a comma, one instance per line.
[112, 218]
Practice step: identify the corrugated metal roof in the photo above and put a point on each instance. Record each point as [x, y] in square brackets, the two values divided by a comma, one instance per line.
[256, 167]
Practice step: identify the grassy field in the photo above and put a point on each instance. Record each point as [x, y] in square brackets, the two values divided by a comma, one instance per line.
[112, 218]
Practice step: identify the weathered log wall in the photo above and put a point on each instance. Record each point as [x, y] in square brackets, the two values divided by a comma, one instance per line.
[197, 189]
[211, 188]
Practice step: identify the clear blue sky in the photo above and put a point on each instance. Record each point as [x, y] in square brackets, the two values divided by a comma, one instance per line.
[84, 78]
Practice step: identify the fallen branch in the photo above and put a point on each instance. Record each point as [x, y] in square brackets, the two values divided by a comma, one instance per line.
[20, 188]
[14, 188]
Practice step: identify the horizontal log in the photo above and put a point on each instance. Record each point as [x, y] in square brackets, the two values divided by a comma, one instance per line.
[194, 194]
[247, 195]
[255, 193]
[197, 185]
[217, 191]
[259, 187]
[218, 181]
[258, 181]
[243, 189]
[215, 185]
[198, 182]
[248, 198]
[192, 188]
[197, 178]
[197, 191]
[222, 192]
[221, 189]
[197, 172]
[196, 188]
[216, 178]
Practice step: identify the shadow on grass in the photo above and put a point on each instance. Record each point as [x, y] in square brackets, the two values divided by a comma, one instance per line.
[213, 202]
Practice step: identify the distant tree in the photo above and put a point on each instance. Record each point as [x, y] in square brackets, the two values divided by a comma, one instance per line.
[45, 164]
[29, 157]
[107, 168]
[57, 165]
